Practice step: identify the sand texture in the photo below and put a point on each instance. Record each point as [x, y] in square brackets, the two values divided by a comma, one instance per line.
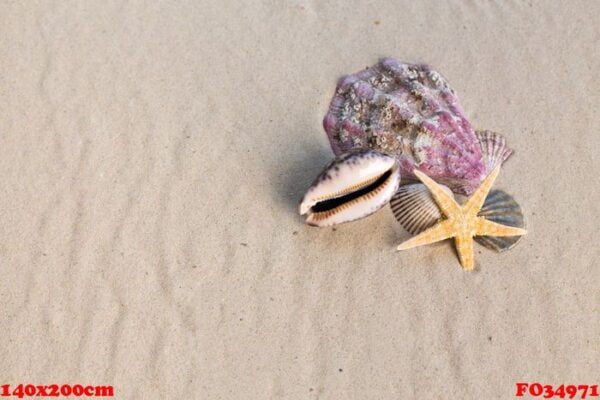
[152, 157]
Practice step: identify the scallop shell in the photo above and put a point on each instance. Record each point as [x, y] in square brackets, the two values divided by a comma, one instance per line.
[493, 148]
[409, 111]
[415, 209]
[502, 208]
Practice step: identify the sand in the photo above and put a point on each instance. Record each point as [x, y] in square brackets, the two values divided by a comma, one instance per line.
[152, 158]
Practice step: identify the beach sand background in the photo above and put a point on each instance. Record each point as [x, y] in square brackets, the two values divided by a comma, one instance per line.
[152, 158]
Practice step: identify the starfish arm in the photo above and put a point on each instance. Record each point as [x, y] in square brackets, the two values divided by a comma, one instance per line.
[439, 232]
[445, 202]
[489, 228]
[476, 201]
[464, 248]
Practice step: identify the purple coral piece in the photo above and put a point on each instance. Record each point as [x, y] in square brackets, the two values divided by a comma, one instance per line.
[411, 112]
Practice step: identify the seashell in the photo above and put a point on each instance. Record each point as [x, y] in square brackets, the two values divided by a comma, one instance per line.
[414, 207]
[416, 210]
[493, 148]
[352, 186]
[502, 208]
[410, 112]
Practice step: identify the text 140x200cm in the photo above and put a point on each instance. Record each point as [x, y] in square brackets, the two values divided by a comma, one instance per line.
[30, 390]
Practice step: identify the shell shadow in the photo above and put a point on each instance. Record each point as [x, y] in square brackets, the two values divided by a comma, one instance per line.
[298, 173]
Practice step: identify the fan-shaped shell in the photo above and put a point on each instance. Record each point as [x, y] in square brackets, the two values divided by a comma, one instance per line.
[493, 148]
[414, 207]
[416, 210]
[502, 208]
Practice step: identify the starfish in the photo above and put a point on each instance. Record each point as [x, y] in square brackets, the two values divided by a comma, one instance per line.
[462, 222]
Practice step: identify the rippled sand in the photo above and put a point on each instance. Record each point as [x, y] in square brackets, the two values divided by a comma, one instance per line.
[152, 157]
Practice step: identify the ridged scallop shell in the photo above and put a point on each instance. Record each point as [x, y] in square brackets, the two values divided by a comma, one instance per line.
[414, 207]
[416, 210]
[493, 148]
[502, 208]
[409, 111]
